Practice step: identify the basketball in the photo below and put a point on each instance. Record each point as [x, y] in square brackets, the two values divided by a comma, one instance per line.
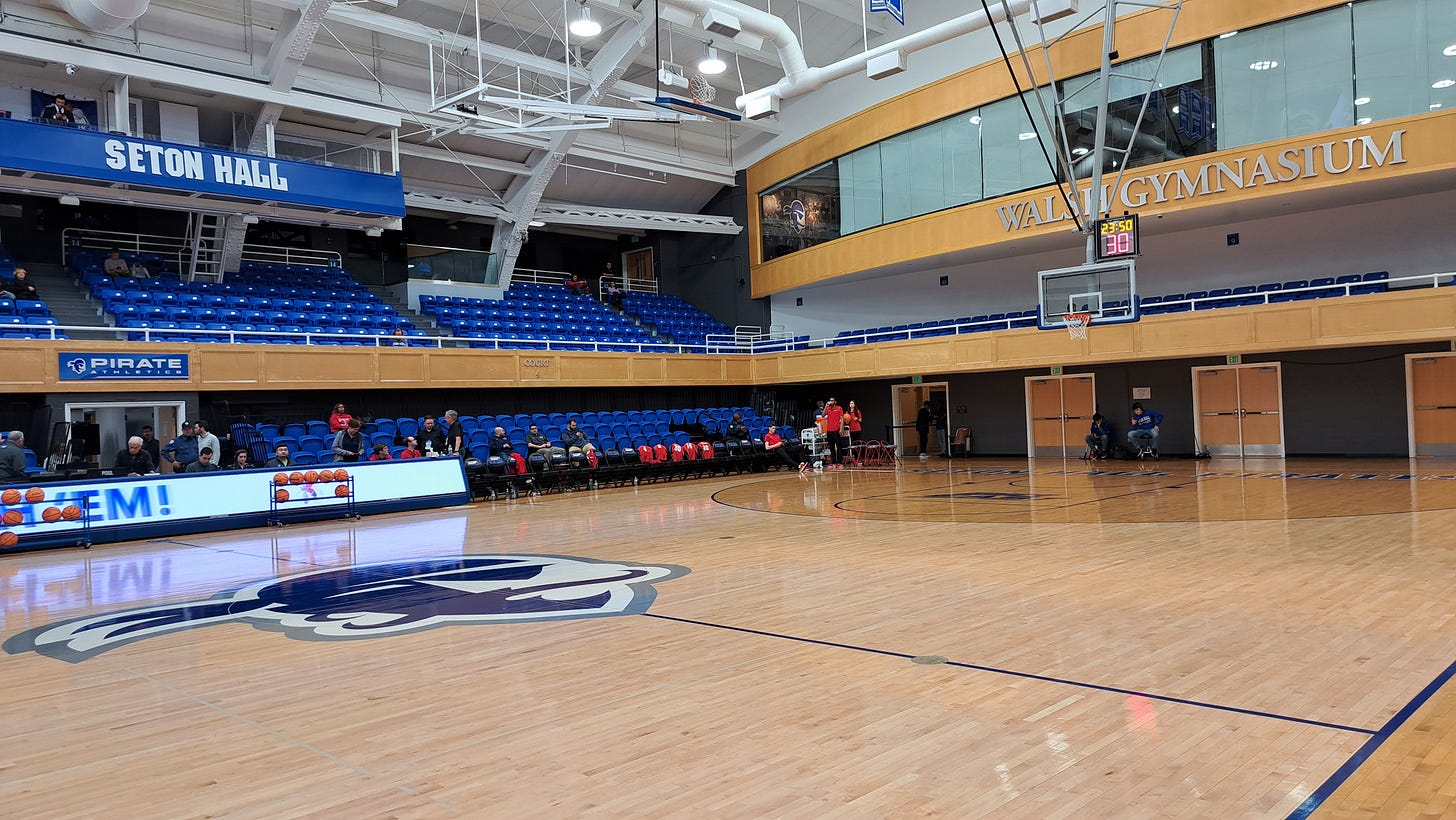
[35, 495]
[310, 477]
[13, 517]
[8, 539]
[71, 512]
[280, 478]
[295, 478]
[51, 514]
[10, 497]
[280, 495]
[341, 474]
[342, 491]
[326, 476]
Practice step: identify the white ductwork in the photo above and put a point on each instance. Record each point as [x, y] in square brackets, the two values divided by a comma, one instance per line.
[753, 21]
[105, 15]
[765, 101]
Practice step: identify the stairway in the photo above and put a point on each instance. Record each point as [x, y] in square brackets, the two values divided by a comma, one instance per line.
[421, 321]
[68, 301]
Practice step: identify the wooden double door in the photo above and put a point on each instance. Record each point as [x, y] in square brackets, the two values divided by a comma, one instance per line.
[1060, 411]
[1431, 403]
[1238, 409]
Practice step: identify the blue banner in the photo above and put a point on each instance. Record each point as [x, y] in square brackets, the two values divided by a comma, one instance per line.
[894, 8]
[122, 366]
[75, 152]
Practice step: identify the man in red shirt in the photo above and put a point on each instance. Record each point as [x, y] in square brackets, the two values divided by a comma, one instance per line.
[774, 443]
[833, 425]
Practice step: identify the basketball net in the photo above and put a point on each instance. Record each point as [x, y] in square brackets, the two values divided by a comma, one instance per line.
[1077, 324]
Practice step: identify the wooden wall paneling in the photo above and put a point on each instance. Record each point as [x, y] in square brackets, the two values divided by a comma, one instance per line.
[476, 368]
[1196, 331]
[1275, 324]
[738, 370]
[649, 369]
[693, 369]
[31, 366]
[403, 365]
[1389, 314]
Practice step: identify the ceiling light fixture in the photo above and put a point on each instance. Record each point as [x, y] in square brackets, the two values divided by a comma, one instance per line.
[1363, 121]
[1228, 34]
[1263, 65]
[1443, 83]
[1434, 106]
[1026, 135]
[584, 25]
[1449, 51]
[1361, 100]
[1079, 151]
[975, 119]
[711, 64]
[536, 223]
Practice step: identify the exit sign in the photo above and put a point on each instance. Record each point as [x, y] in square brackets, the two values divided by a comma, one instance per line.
[1234, 358]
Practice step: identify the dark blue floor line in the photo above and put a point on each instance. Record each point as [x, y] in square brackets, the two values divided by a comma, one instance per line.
[1336, 780]
[1029, 676]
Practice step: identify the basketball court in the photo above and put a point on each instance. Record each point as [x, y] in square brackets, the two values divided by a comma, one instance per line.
[1006, 638]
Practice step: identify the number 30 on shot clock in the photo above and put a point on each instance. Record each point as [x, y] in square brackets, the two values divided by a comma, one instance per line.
[1117, 237]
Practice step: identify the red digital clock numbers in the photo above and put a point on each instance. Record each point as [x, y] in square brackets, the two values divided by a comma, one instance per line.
[1117, 237]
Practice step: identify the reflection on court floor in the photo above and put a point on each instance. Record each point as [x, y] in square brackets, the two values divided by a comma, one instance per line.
[1018, 491]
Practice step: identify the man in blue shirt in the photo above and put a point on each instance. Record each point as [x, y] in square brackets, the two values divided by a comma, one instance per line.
[1144, 431]
[182, 450]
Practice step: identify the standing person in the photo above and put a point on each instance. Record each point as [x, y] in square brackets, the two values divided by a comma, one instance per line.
[1143, 433]
[206, 439]
[243, 460]
[833, 426]
[854, 421]
[1097, 438]
[58, 112]
[181, 450]
[134, 460]
[454, 433]
[431, 437]
[22, 287]
[12, 457]
[922, 429]
[339, 419]
[349, 444]
[151, 445]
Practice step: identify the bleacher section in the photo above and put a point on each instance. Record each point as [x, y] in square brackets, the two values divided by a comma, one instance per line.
[23, 318]
[1243, 296]
[287, 300]
[674, 318]
[631, 445]
[532, 315]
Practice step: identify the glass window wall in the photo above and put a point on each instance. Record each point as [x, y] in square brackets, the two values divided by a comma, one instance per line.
[1405, 58]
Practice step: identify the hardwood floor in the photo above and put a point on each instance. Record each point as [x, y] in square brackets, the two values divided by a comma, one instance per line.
[1181, 638]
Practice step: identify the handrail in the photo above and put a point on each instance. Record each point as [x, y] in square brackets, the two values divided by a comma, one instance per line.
[176, 248]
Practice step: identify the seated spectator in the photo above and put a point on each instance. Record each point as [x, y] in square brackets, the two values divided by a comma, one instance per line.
[1146, 424]
[576, 285]
[203, 464]
[502, 446]
[737, 430]
[397, 338]
[536, 442]
[21, 286]
[115, 265]
[139, 271]
[12, 457]
[381, 453]
[614, 293]
[340, 418]
[280, 457]
[774, 443]
[181, 450]
[243, 460]
[576, 442]
[411, 448]
[134, 460]
[5, 294]
[349, 444]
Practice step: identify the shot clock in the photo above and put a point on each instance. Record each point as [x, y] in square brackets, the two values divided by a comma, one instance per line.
[1117, 237]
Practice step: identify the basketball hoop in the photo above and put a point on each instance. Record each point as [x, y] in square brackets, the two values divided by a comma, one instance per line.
[1077, 324]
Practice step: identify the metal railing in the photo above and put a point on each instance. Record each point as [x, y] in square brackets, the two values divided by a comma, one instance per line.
[438, 263]
[175, 249]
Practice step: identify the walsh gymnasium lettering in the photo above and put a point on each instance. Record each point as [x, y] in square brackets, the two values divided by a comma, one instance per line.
[1304, 162]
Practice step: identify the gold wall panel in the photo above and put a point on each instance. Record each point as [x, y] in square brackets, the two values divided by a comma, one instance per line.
[766, 369]
[538, 367]
[864, 359]
[596, 368]
[738, 370]
[475, 368]
[1112, 340]
[301, 366]
[1388, 314]
[29, 366]
[1283, 324]
[917, 356]
[223, 364]
[401, 367]
[694, 370]
[1202, 330]
[649, 369]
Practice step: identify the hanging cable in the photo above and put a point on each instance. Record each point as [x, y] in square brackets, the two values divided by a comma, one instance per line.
[1021, 95]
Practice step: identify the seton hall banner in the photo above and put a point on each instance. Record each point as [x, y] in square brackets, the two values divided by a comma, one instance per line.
[74, 152]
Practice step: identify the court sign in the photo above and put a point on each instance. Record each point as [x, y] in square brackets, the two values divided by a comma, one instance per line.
[75, 366]
[894, 8]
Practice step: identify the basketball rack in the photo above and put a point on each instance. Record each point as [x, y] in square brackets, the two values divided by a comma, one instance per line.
[293, 500]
